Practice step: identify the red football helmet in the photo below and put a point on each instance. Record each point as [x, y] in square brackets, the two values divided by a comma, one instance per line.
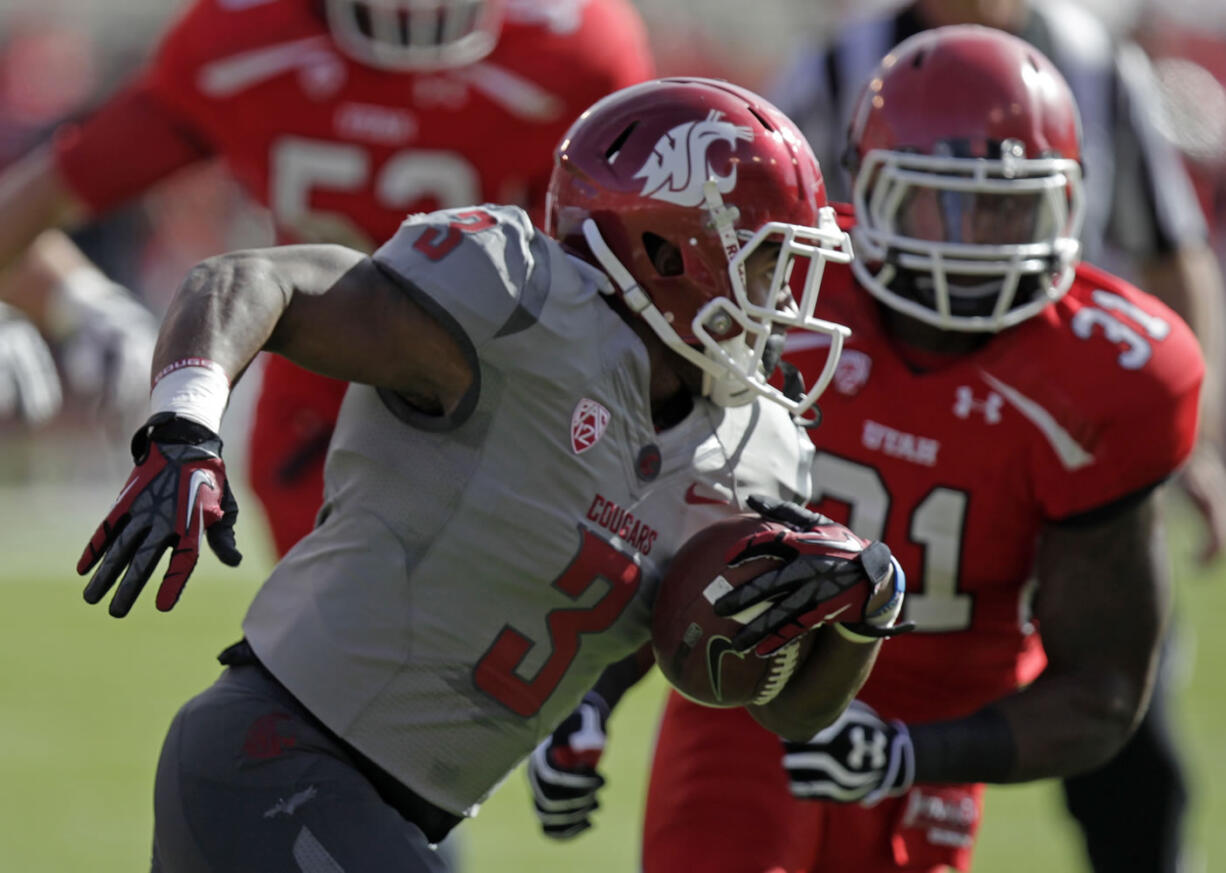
[707, 173]
[965, 154]
[415, 34]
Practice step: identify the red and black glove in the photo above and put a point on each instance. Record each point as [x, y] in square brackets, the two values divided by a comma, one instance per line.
[828, 574]
[177, 492]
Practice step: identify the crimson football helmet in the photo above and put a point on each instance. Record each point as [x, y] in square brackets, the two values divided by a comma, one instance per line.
[415, 34]
[965, 151]
[670, 186]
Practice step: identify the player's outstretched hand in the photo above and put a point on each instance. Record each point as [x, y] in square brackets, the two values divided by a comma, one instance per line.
[826, 574]
[177, 492]
[107, 355]
[858, 759]
[29, 384]
[562, 770]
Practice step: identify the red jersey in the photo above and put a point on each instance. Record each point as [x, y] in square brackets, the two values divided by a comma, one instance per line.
[959, 468]
[341, 152]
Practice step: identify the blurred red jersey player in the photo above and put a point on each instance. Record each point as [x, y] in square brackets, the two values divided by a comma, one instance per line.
[343, 118]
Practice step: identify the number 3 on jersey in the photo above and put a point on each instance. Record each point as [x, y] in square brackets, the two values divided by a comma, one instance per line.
[936, 523]
[436, 245]
[597, 561]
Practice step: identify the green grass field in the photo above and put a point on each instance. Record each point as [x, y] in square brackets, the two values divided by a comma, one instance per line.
[86, 700]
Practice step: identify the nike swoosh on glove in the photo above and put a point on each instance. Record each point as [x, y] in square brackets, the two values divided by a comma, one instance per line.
[176, 493]
[826, 574]
[29, 384]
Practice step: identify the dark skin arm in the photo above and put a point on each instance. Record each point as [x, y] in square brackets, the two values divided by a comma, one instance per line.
[35, 199]
[1103, 603]
[326, 308]
[320, 306]
[824, 683]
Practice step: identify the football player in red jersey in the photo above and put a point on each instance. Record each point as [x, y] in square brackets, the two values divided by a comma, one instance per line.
[342, 117]
[1001, 414]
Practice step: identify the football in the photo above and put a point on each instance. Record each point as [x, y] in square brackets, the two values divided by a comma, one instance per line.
[692, 644]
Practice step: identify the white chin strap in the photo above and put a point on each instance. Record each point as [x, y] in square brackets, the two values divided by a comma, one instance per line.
[640, 304]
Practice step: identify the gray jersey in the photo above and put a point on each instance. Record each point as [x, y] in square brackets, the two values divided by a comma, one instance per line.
[472, 576]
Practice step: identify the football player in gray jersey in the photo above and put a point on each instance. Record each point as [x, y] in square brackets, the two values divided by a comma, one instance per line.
[536, 424]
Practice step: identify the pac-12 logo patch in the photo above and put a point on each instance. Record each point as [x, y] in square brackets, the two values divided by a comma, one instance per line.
[587, 425]
[678, 166]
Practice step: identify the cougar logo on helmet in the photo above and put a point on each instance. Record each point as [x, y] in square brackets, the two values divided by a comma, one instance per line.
[678, 165]
[637, 190]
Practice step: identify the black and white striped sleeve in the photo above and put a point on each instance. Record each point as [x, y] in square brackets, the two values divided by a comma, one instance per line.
[1155, 208]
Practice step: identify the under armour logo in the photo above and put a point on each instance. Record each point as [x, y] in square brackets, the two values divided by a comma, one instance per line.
[965, 403]
[678, 166]
[863, 747]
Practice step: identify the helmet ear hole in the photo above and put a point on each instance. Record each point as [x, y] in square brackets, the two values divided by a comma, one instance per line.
[665, 256]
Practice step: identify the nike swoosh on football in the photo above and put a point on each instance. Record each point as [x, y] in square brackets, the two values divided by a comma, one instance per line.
[717, 648]
[713, 498]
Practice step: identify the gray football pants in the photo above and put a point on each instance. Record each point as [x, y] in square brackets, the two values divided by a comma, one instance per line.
[247, 783]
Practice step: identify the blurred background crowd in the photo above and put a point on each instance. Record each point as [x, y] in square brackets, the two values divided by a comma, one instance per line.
[58, 58]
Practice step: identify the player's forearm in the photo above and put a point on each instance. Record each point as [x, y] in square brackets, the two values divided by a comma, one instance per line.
[1102, 605]
[327, 308]
[621, 676]
[225, 311]
[1068, 724]
[299, 301]
[1059, 726]
[33, 198]
[56, 286]
[832, 673]
[822, 687]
